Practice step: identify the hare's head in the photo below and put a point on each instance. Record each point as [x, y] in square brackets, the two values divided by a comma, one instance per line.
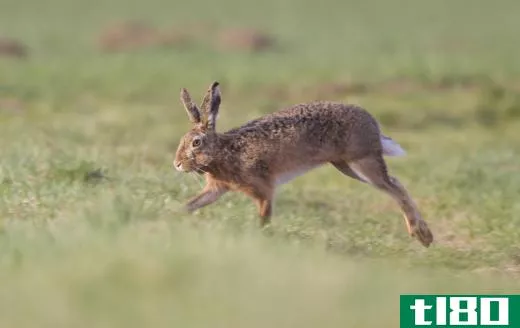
[198, 146]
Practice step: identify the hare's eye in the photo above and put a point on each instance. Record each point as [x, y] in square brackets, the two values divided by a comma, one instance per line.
[196, 142]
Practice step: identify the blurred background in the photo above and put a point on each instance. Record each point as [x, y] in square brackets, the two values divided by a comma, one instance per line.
[91, 231]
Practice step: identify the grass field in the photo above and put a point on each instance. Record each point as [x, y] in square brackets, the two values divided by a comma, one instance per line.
[92, 232]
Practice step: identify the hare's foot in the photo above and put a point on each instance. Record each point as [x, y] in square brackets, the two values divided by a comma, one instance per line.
[419, 229]
[265, 211]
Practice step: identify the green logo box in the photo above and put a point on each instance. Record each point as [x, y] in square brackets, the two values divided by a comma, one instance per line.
[459, 311]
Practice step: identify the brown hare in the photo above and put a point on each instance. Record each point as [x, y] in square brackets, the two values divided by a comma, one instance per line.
[278, 147]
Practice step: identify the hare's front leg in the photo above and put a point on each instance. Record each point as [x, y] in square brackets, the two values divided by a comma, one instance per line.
[210, 194]
[265, 209]
[261, 191]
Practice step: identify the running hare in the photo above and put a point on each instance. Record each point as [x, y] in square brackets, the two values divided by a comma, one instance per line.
[278, 147]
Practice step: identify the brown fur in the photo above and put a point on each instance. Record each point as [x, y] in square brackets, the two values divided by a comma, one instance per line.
[272, 149]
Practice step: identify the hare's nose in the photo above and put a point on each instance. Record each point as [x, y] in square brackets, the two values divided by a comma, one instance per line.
[177, 165]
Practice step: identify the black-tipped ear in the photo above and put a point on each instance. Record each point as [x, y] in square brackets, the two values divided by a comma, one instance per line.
[191, 108]
[213, 106]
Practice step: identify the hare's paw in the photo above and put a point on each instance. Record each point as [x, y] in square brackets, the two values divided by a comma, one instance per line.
[421, 231]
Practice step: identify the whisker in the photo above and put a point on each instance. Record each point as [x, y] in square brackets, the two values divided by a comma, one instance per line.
[199, 170]
[196, 179]
[177, 175]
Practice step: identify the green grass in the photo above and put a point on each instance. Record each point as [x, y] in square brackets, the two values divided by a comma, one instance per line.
[92, 232]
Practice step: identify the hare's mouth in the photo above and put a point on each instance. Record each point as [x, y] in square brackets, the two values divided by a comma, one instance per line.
[189, 168]
[179, 167]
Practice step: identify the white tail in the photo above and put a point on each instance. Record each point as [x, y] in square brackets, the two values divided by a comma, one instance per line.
[391, 148]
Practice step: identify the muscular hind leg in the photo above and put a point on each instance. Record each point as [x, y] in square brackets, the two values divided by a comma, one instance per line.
[372, 169]
[344, 168]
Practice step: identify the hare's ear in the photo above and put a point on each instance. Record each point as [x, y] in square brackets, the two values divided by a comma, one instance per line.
[191, 108]
[211, 104]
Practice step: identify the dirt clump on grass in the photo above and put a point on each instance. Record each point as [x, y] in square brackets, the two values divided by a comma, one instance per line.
[245, 39]
[172, 38]
[11, 105]
[136, 35]
[12, 48]
[129, 36]
[126, 36]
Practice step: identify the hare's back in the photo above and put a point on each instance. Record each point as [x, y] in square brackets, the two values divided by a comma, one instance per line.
[319, 118]
[320, 128]
[323, 111]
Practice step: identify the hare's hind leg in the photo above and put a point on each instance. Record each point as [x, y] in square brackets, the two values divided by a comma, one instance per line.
[344, 168]
[261, 191]
[373, 170]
